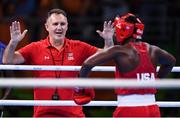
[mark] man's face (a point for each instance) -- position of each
(57, 26)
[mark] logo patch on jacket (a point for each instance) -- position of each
(46, 58)
(70, 56)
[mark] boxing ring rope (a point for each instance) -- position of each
(64, 68)
(70, 82)
(97, 83)
(85, 82)
(71, 103)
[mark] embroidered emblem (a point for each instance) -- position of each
(46, 57)
(70, 56)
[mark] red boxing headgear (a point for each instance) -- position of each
(126, 29)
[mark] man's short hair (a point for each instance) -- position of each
(56, 11)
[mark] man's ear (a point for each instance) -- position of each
(46, 26)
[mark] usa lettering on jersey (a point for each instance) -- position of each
(145, 76)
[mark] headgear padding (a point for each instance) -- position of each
(125, 29)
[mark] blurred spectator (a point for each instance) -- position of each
(2, 47)
(4, 92)
(1, 9)
(73, 7)
(90, 18)
(174, 8)
(8, 8)
(19, 7)
(135, 5)
(43, 7)
(174, 24)
(113, 8)
(85, 17)
(36, 26)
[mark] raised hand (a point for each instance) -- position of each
(108, 31)
(15, 32)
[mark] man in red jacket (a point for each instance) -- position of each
(133, 59)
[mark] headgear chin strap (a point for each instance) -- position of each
(126, 29)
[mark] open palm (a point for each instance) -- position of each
(15, 31)
(108, 30)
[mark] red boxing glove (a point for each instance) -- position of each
(83, 95)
